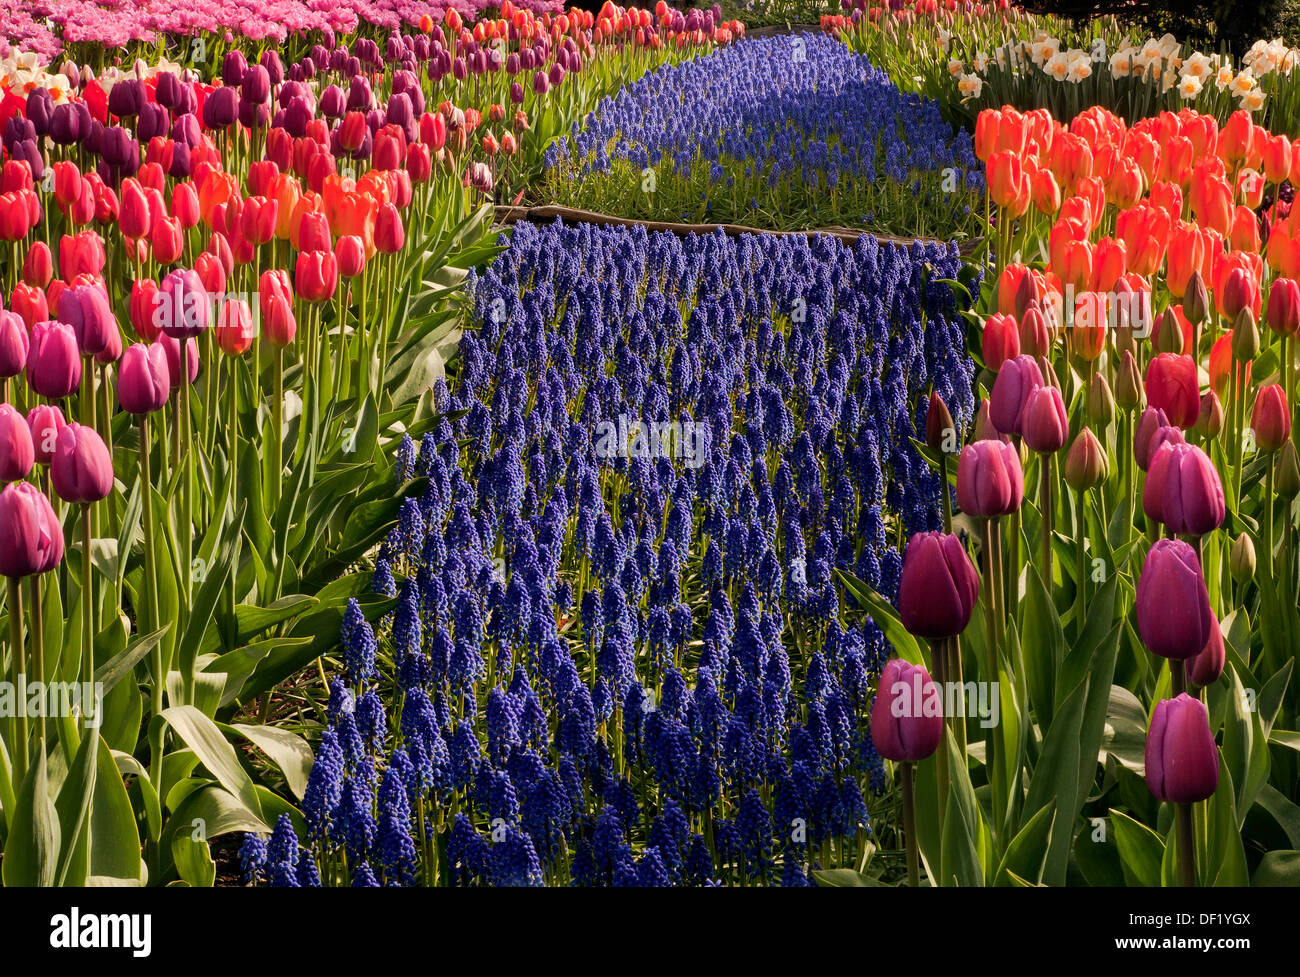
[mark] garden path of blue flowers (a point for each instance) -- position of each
(621, 659)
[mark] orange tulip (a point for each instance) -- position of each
(1007, 180)
(1212, 204)
(1176, 160)
(1186, 255)
(1046, 192)
(1236, 139)
(1125, 187)
(1244, 235)
(1169, 198)
(1276, 153)
(1109, 264)
(1250, 188)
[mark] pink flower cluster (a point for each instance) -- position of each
(44, 26)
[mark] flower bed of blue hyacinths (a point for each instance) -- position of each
(780, 132)
(627, 659)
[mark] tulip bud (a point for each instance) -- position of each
(940, 434)
(1086, 464)
(1129, 394)
(1245, 337)
(1271, 418)
(1288, 471)
(1284, 307)
(938, 586)
(1182, 760)
(81, 469)
(985, 430)
(1169, 336)
(1017, 379)
(1241, 560)
(1196, 300)
(907, 716)
(1035, 339)
(1205, 667)
(1101, 402)
(1183, 490)
(1210, 420)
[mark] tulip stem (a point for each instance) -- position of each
(150, 570)
(991, 629)
(277, 428)
(234, 475)
(1186, 845)
(944, 494)
(17, 664)
(1267, 548)
(909, 824)
(87, 597)
(1081, 564)
(1045, 504)
(939, 665)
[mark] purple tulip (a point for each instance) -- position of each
(31, 539)
(13, 344)
(143, 379)
(1205, 667)
(1182, 759)
(233, 67)
(1017, 379)
(907, 716)
(1173, 607)
(86, 309)
(1153, 429)
(256, 85)
(53, 360)
(126, 98)
(81, 469)
(1044, 424)
(17, 453)
(1183, 490)
(332, 102)
(182, 304)
(990, 481)
(939, 586)
(221, 108)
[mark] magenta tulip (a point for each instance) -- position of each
(53, 360)
(990, 481)
(143, 378)
(31, 540)
(1044, 424)
(17, 454)
(45, 421)
(1173, 607)
(172, 350)
(182, 305)
(1153, 429)
(87, 310)
(1182, 759)
(1017, 379)
(1205, 667)
(939, 586)
(907, 716)
(1183, 490)
(13, 344)
(82, 469)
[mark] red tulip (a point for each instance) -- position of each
(1271, 418)
(133, 213)
(275, 306)
(81, 254)
(351, 255)
(1284, 306)
(316, 275)
(38, 266)
(389, 233)
(234, 330)
(1000, 341)
(1171, 385)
